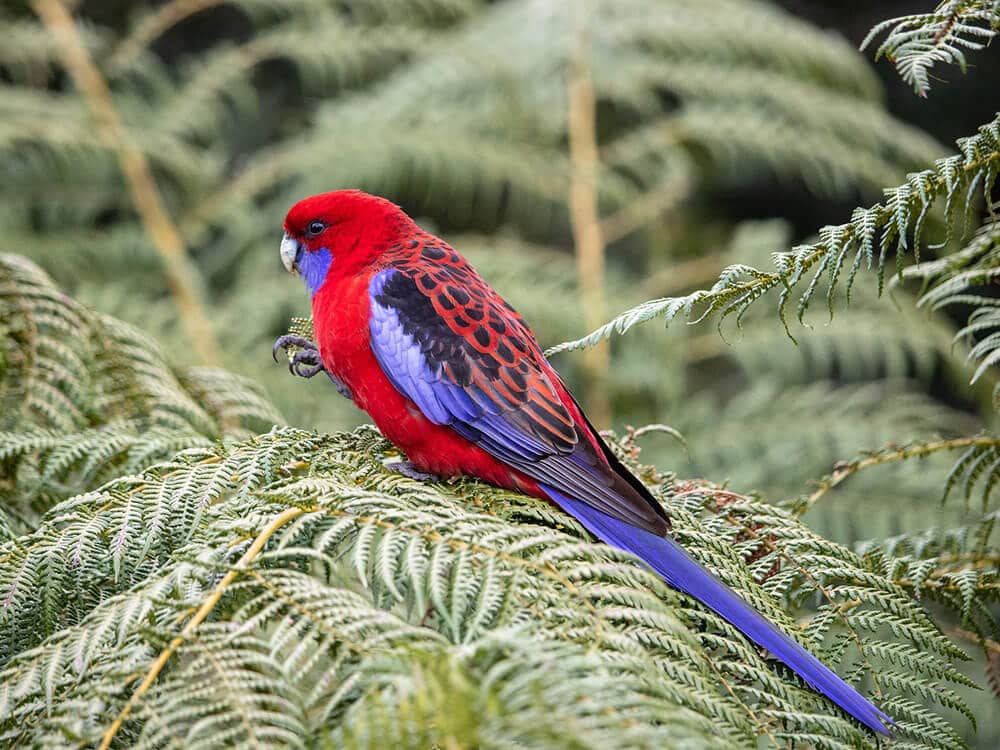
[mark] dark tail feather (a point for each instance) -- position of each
(683, 572)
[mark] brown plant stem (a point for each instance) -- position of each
(846, 470)
(588, 237)
(182, 279)
(988, 644)
(199, 617)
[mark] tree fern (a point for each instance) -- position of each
(694, 99)
(87, 398)
(956, 280)
(954, 568)
(455, 574)
(174, 571)
(288, 589)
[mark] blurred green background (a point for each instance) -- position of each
(727, 130)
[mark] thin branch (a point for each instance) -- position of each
(203, 612)
(848, 469)
(988, 644)
(181, 277)
(587, 232)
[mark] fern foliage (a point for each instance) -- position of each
(288, 589)
(947, 567)
(87, 398)
(457, 110)
(178, 568)
(376, 582)
(962, 279)
(916, 43)
(889, 231)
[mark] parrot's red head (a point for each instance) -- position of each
(346, 228)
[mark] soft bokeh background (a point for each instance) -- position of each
(727, 130)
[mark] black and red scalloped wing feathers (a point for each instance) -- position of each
(451, 344)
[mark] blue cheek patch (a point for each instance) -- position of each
(314, 266)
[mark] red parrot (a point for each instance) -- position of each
(453, 376)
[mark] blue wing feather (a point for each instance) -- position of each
(596, 492)
(443, 402)
(683, 572)
(454, 384)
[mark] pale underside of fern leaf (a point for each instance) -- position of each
(916, 43)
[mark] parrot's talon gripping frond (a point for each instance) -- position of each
(304, 368)
(410, 469)
(306, 362)
(290, 340)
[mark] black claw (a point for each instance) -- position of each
(306, 363)
(309, 356)
(304, 370)
(283, 342)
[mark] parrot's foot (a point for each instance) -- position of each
(409, 469)
(283, 342)
(306, 362)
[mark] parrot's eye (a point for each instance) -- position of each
(315, 228)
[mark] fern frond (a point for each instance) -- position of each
(736, 441)
(916, 43)
(502, 692)
(452, 575)
(962, 279)
(977, 467)
(151, 24)
(286, 586)
(30, 54)
(327, 56)
(952, 567)
(87, 398)
(891, 229)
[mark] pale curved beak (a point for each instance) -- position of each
(289, 251)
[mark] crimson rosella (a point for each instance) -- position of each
(453, 376)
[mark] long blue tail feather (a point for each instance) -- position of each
(683, 572)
